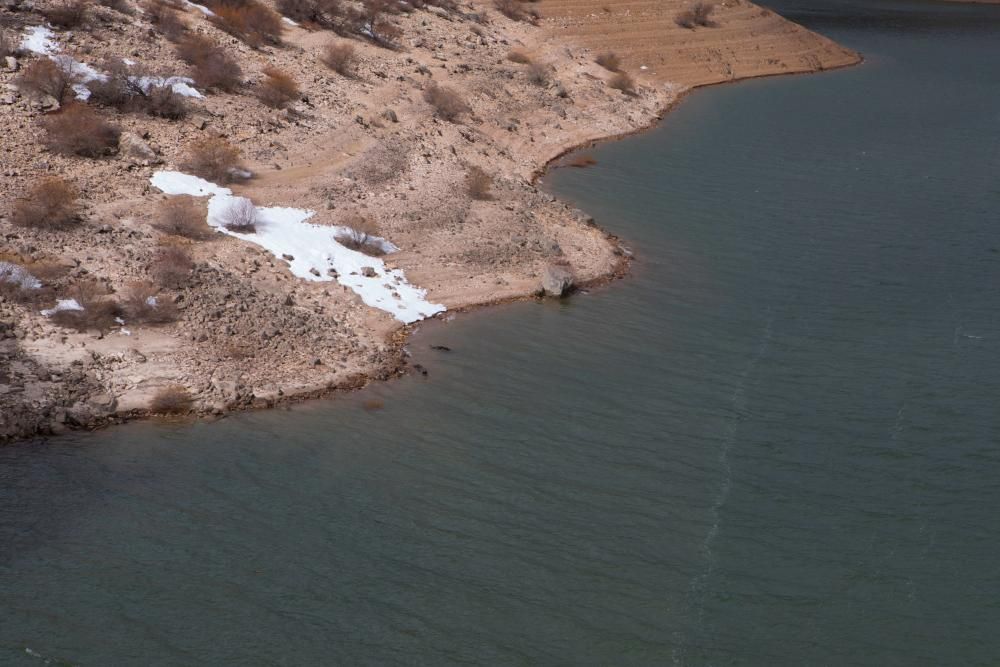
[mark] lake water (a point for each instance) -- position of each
(776, 443)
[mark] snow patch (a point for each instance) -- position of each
(201, 8)
(40, 40)
(289, 21)
(18, 275)
(179, 84)
(62, 304)
(314, 249)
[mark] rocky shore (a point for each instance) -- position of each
(248, 332)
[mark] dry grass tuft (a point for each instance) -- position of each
(447, 102)
(698, 14)
(213, 68)
(45, 77)
(339, 56)
(183, 215)
(68, 15)
(623, 82)
(249, 21)
(360, 234)
(518, 56)
(76, 129)
(143, 305)
(99, 310)
(277, 89)
(240, 216)
(171, 266)
(609, 61)
(49, 204)
(214, 160)
(478, 184)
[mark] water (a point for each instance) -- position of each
(776, 443)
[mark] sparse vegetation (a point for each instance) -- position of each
(609, 61)
(166, 18)
(699, 14)
(214, 160)
(539, 74)
(171, 266)
(518, 56)
(163, 102)
(119, 89)
(68, 14)
(240, 216)
(361, 234)
(277, 89)
(6, 44)
(249, 21)
(171, 400)
(120, 6)
(512, 9)
(76, 129)
(478, 184)
(45, 76)
(374, 22)
(623, 82)
(143, 305)
(324, 13)
(339, 56)
(98, 309)
(182, 215)
(447, 102)
(51, 203)
(213, 68)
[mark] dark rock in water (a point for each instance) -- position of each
(420, 369)
(441, 348)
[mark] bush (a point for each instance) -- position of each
(623, 82)
(447, 103)
(7, 46)
(277, 90)
(119, 89)
(120, 6)
(609, 61)
(240, 216)
(171, 266)
(163, 102)
(339, 56)
(249, 21)
(50, 203)
(67, 15)
(214, 69)
(512, 9)
(698, 15)
(172, 400)
(214, 160)
(517, 56)
(45, 77)
(182, 215)
(144, 306)
(77, 129)
(478, 184)
(360, 234)
(99, 311)
(539, 74)
(167, 20)
(320, 12)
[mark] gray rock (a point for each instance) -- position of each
(368, 272)
(557, 281)
(132, 148)
(10, 64)
(390, 115)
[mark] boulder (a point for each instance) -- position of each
(132, 148)
(557, 281)
(368, 272)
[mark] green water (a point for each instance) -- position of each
(776, 443)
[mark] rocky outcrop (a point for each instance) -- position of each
(557, 281)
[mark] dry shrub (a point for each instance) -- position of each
(512, 9)
(120, 6)
(623, 82)
(339, 56)
(360, 234)
(518, 56)
(45, 77)
(166, 19)
(163, 102)
(182, 215)
(171, 266)
(99, 311)
(478, 184)
(609, 61)
(23, 281)
(249, 21)
(143, 305)
(324, 13)
(50, 204)
(214, 69)
(171, 400)
(240, 216)
(77, 129)
(447, 103)
(67, 15)
(119, 89)
(7, 44)
(699, 14)
(278, 89)
(214, 160)
(539, 74)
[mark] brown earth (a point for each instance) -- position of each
(249, 333)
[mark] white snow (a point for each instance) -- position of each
(285, 231)
(179, 84)
(289, 21)
(201, 8)
(62, 304)
(40, 40)
(18, 275)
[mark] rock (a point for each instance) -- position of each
(314, 271)
(390, 115)
(368, 272)
(8, 98)
(10, 64)
(132, 148)
(287, 257)
(557, 281)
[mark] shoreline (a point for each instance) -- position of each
(389, 360)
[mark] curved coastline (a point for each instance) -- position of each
(393, 362)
